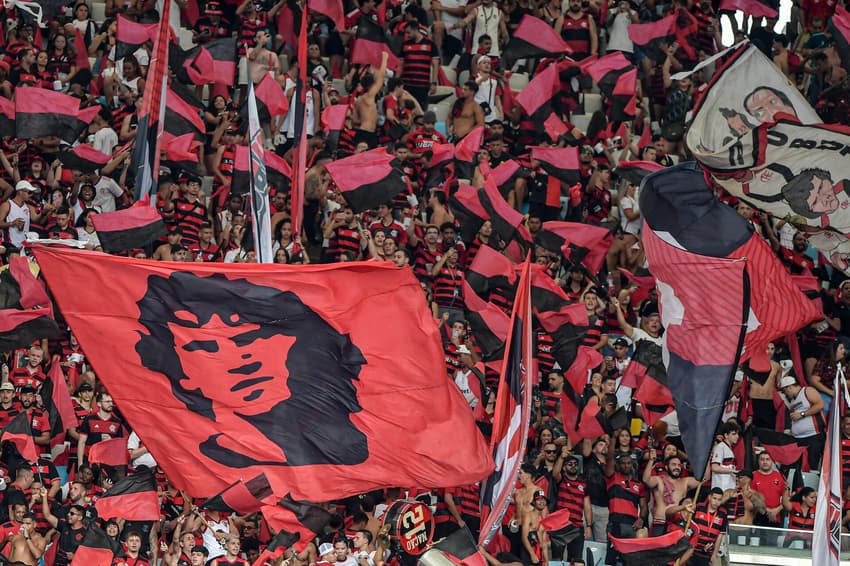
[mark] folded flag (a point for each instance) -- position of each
(560, 162)
(581, 244)
(299, 522)
(367, 179)
(783, 448)
(19, 433)
(128, 229)
(534, 38)
(369, 43)
(41, 112)
(26, 312)
(83, 158)
(96, 549)
(133, 498)
(130, 36)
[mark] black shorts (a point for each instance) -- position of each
(371, 138)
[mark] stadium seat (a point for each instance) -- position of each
(592, 102)
(441, 111)
(339, 85)
(98, 12)
(597, 550)
(185, 38)
(450, 73)
(811, 479)
(518, 81)
(580, 121)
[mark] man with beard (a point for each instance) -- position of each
(27, 544)
(103, 425)
(578, 30)
(38, 419)
(667, 489)
(796, 259)
(71, 529)
(572, 495)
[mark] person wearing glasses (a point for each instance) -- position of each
(71, 528)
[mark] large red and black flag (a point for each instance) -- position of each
(783, 448)
(299, 158)
(537, 98)
(652, 550)
(559, 162)
(96, 549)
(304, 398)
(278, 170)
(26, 311)
(490, 271)
(561, 527)
(129, 228)
(241, 497)
(132, 498)
(460, 547)
(754, 8)
(512, 412)
(635, 171)
(57, 403)
(647, 376)
(704, 335)
(505, 175)
(468, 210)
(581, 244)
(130, 36)
(42, 112)
(370, 42)
(7, 117)
(489, 287)
(367, 179)
(153, 114)
(296, 522)
(508, 223)
(112, 452)
(534, 38)
(83, 158)
(567, 327)
(19, 433)
(442, 157)
(839, 28)
(223, 54)
(466, 153)
(677, 26)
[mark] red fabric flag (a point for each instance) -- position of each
(81, 55)
(367, 179)
(19, 433)
(332, 9)
(534, 38)
(299, 521)
(293, 354)
(110, 452)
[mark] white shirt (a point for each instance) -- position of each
(145, 459)
(462, 382)
(638, 335)
(722, 452)
(487, 92)
(214, 547)
(487, 20)
(104, 140)
(618, 34)
(105, 191)
(630, 226)
(16, 236)
(450, 20)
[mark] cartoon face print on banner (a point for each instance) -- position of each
(281, 345)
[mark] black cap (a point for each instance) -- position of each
(650, 308)
(27, 389)
(85, 387)
(620, 342)
(201, 548)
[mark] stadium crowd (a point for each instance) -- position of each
(452, 79)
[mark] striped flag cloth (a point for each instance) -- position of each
(258, 194)
(826, 542)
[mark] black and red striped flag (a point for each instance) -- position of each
(223, 53)
(537, 97)
(581, 244)
(467, 208)
(190, 66)
(181, 117)
(677, 26)
(57, 403)
(617, 80)
(153, 114)
(129, 228)
(26, 311)
(367, 179)
(561, 528)
(466, 153)
(508, 223)
(241, 497)
(489, 271)
(635, 171)
(298, 521)
(19, 433)
(640, 277)
(181, 152)
(43, 112)
(839, 28)
(705, 335)
(132, 498)
(112, 452)
(783, 448)
(560, 162)
(271, 100)
(333, 123)
(130, 36)
(488, 322)
(96, 549)
(278, 171)
(647, 376)
(534, 38)
(512, 412)
(7, 117)
(567, 325)
(652, 550)
(83, 158)
(505, 175)
(370, 43)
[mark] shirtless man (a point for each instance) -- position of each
(27, 544)
(262, 60)
(524, 495)
(666, 490)
(743, 502)
(470, 115)
(365, 114)
(762, 389)
(535, 543)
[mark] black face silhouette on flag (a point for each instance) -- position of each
(266, 340)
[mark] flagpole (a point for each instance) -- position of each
(691, 516)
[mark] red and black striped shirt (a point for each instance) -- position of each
(624, 495)
(417, 57)
(448, 288)
(707, 527)
(571, 494)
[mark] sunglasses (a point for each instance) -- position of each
(550, 451)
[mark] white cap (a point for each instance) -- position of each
(25, 186)
(787, 381)
(325, 548)
(462, 349)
